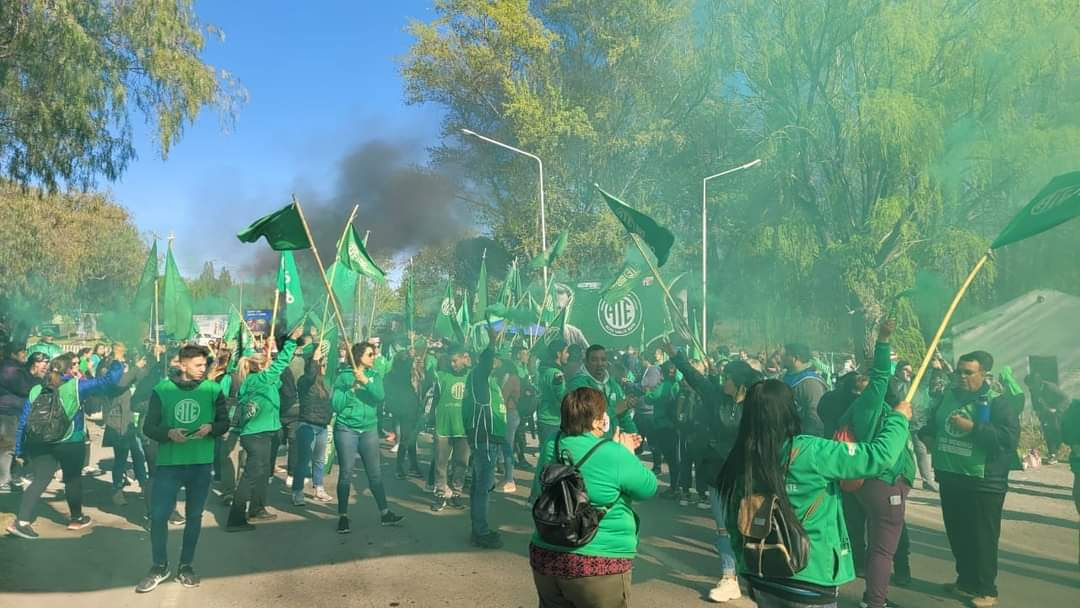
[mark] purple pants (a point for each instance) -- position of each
(884, 505)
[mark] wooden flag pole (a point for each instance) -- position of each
(941, 328)
(272, 337)
(667, 292)
(326, 308)
(322, 273)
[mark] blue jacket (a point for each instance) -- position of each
(87, 387)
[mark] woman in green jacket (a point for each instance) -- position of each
(260, 405)
(597, 573)
(803, 470)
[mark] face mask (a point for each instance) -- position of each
(607, 423)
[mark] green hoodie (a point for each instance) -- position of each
(261, 390)
(552, 390)
(613, 474)
(816, 466)
(870, 408)
(357, 406)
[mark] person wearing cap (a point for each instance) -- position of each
(46, 345)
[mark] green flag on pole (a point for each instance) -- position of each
(633, 270)
(506, 292)
(343, 281)
(1055, 204)
(548, 258)
(353, 254)
(143, 302)
(464, 320)
(658, 238)
(445, 318)
(283, 229)
(288, 283)
(176, 306)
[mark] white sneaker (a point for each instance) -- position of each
(288, 482)
(684, 499)
(508, 488)
(725, 591)
(321, 495)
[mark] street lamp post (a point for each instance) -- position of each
(540, 163)
(705, 250)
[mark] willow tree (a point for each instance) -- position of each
(897, 135)
(73, 73)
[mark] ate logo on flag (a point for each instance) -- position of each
(447, 307)
(355, 256)
(1054, 200)
(621, 318)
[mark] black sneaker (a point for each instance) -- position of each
(457, 502)
(80, 522)
(156, 576)
(22, 530)
(262, 515)
(438, 504)
(176, 519)
(491, 540)
(343, 525)
(240, 526)
(186, 575)
(391, 519)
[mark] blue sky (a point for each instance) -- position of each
(322, 79)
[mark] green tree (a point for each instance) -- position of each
(72, 74)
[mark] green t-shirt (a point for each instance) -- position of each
(552, 391)
(187, 410)
(449, 418)
(955, 450)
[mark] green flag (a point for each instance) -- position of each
(1057, 203)
(547, 258)
(353, 254)
(283, 229)
(445, 318)
(464, 319)
(143, 302)
(410, 306)
(288, 284)
(176, 306)
(481, 288)
(506, 292)
(235, 325)
(658, 238)
(631, 274)
(343, 282)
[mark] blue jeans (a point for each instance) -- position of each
(484, 457)
(168, 479)
(310, 455)
(349, 443)
(512, 422)
(723, 540)
(128, 444)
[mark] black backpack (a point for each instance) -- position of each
(563, 515)
(48, 421)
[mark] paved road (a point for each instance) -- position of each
(299, 560)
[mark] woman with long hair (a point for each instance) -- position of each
(311, 433)
(803, 471)
(403, 384)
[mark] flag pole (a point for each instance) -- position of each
(156, 319)
(941, 328)
(667, 292)
(273, 322)
(374, 288)
(333, 272)
(322, 273)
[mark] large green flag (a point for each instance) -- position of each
(547, 258)
(288, 284)
(1056, 203)
(410, 306)
(143, 302)
(464, 319)
(176, 306)
(507, 295)
(446, 317)
(658, 238)
(632, 271)
(343, 281)
(481, 289)
(637, 319)
(353, 254)
(283, 229)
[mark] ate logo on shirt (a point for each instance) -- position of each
(953, 430)
(186, 411)
(457, 391)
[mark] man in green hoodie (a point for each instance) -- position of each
(184, 416)
(595, 374)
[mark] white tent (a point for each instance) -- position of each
(1040, 322)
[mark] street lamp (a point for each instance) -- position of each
(543, 217)
(705, 250)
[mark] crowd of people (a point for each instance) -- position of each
(726, 434)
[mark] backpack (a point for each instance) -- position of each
(775, 544)
(563, 515)
(50, 420)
